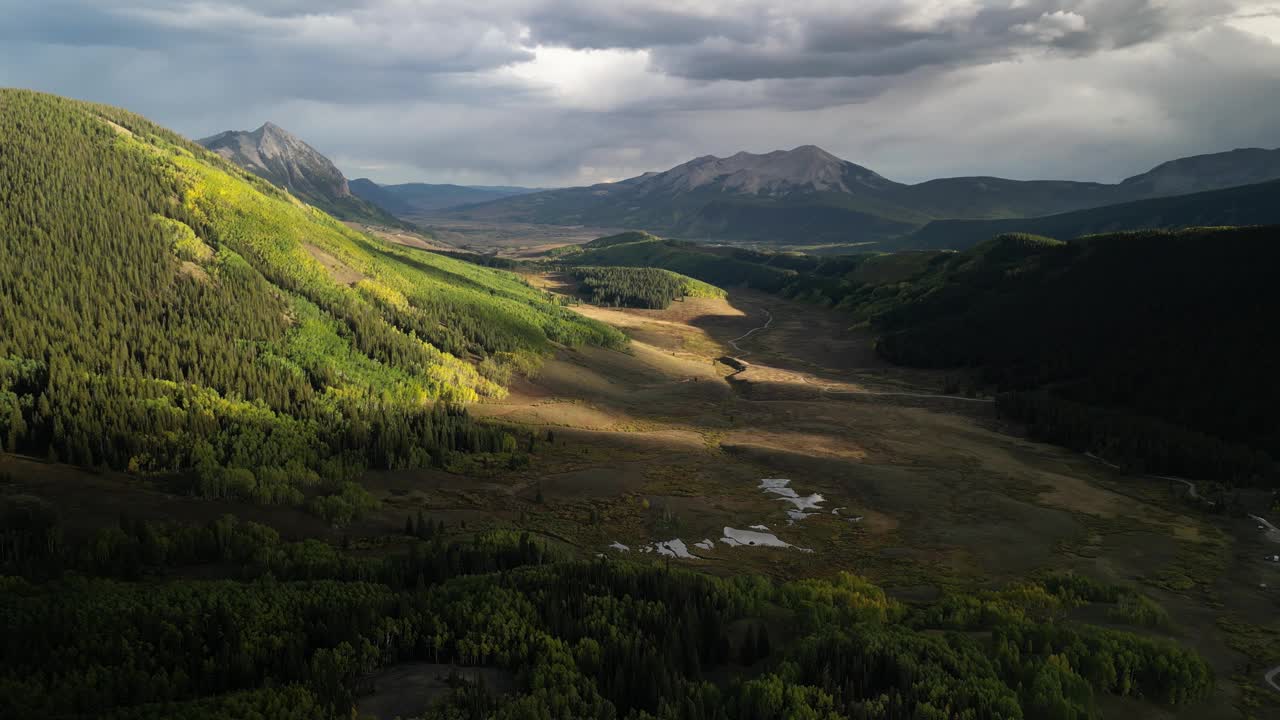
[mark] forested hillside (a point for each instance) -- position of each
(827, 279)
(108, 627)
(651, 288)
(166, 311)
(1150, 349)
(718, 266)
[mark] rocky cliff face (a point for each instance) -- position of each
(284, 159)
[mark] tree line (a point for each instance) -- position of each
(111, 625)
(639, 287)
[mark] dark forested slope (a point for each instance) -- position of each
(164, 311)
(1151, 348)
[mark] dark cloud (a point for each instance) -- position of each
(628, 24)
(892, 39)
(443, 89)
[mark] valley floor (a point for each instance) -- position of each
(921, 491)
(918, 490)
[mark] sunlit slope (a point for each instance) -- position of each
(163, 309)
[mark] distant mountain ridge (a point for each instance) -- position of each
(809, 196)
(805, 169)
(282, 158)
(409, 200)
(1257, 204)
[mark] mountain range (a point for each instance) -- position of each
(1257, 204)
(800, 197)
(413, 200)
(277, 155)
(808, 196)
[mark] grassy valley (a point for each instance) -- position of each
(260, 464)
(1024, 314)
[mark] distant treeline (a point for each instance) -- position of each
(652, 288)
(111, 625)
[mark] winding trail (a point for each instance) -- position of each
(1271, 677)
(749, 333)
(1191, 487)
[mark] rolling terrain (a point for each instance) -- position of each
(1257, 204)
(260, 464)
(809, 197)
(416, 200)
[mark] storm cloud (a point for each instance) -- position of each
(555, 92)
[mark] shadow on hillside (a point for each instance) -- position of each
(805, 339)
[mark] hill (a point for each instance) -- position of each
(167, 312)
(808, 196)
(1199, 173)
(1161, 369)
(720, 266)
(1247, 205)
(285, 160)
(411, 200)
(1146, 348)
(640, 287)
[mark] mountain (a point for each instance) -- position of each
(167, 313)
(282, 158)
(808, 196)
(1246, 205)
(807, 169)
(1205, 172)
(411, 200)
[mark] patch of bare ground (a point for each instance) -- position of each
(402, 237)
(118, 128)
(338, 270)
(190, 269)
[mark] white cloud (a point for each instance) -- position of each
(1054, 26)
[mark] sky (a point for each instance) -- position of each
(547, 93)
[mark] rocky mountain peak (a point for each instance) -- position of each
(284, 159)
(807, 168)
